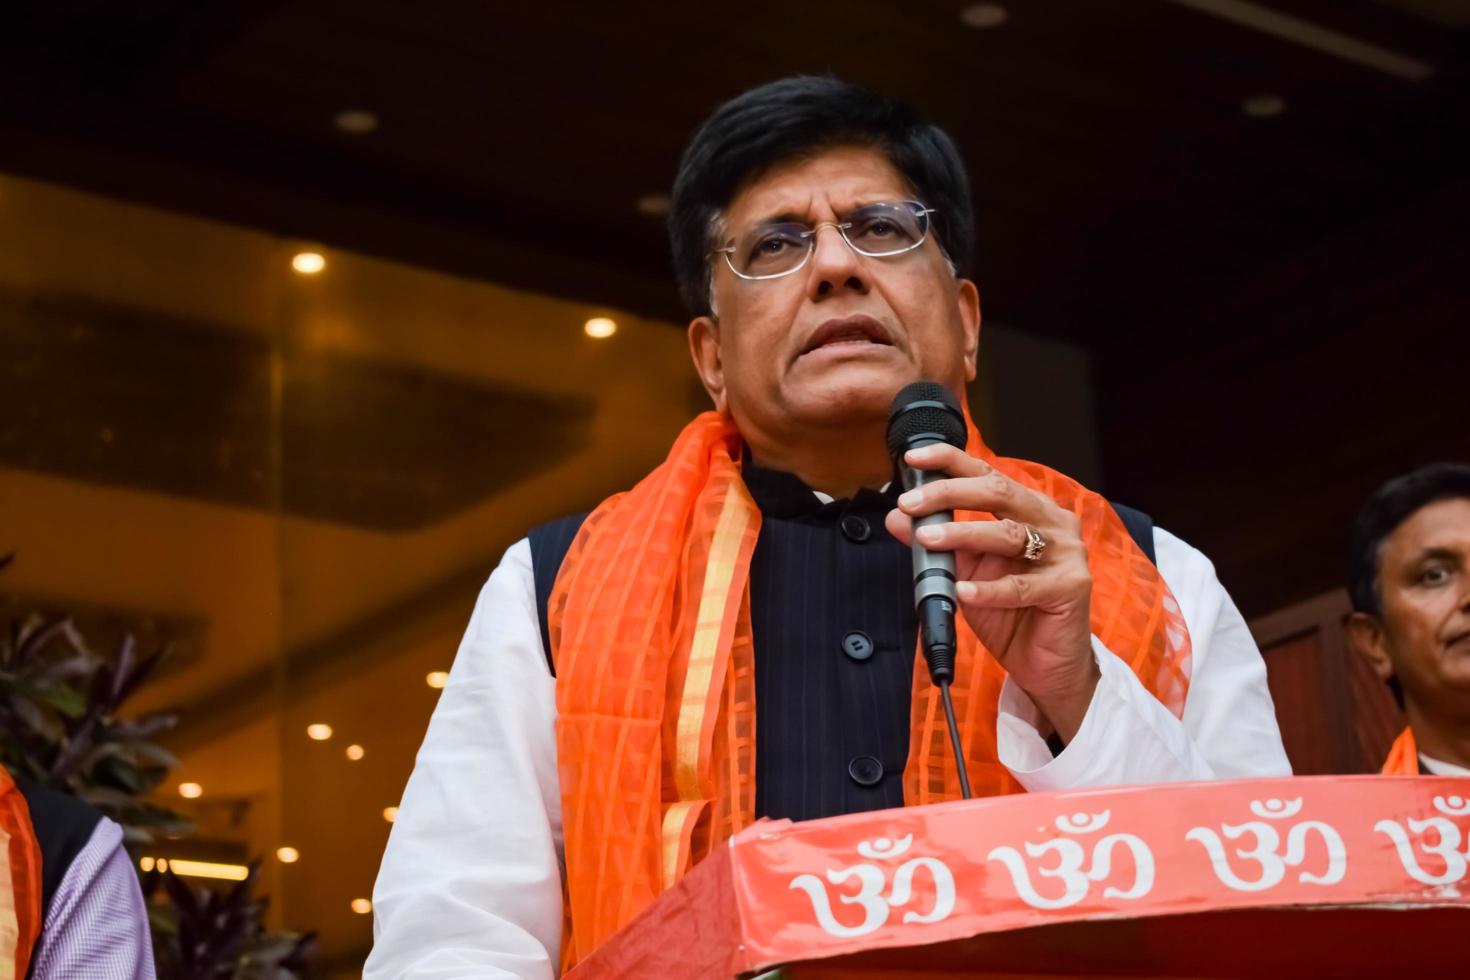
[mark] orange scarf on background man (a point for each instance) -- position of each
(1403, 756)
(20, 882)
(650, 633)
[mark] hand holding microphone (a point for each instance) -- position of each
(1021, 581)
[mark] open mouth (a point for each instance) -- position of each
(852, 330)
(1459, 642)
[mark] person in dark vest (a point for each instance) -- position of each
(72, 890)
(1410, 590)
(735, 636)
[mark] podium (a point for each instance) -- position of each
(1319, 876)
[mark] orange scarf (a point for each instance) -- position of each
(650, 632)
(20, 882)
(1403, 756)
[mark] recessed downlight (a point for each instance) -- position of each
(983, 15)
(1263, 105)
(356, 122)
(308, 263)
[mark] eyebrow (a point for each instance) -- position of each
(795, 217)
(782, 218)
(1437, 553)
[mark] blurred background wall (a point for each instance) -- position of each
(1222, 260)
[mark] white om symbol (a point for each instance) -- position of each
(871, 880)
(1268, 843)
(1070, 858)
(1446, 848)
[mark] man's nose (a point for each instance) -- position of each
(835, 266)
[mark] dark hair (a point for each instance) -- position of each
(799, 117)
(1389, 506)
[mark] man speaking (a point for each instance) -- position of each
(735, 637)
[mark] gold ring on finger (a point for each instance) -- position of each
(1035, 544)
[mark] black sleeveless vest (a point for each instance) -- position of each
(831, 609)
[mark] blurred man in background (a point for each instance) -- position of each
(1411, 599)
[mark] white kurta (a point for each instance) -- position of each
(470, 885)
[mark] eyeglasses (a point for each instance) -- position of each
(779, 248)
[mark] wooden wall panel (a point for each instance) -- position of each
(1294, 670)
(1336, 716)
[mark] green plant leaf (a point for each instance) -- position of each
(43, 723)
(64, 698)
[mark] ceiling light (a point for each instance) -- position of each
(982, 15)
(356, 122)
(653, 205)
(191, 791)
(361, 906)
(390, 813)
(162, 865)
(437, 678)
(355, 752)
(145, 863)
(1263, 105)
(208, 869)
(287, 855)
(600, 327)
(319, 732)
(308, 263)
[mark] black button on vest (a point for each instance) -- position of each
(865, 770)
(817, 593)
(857, 645)
(812, 585)
(856, 528)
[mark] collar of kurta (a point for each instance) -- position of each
(784, 496)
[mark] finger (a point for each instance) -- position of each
(943, 456)
(992, 492)
(1002, 537)
(900, 526)
(1019, 591)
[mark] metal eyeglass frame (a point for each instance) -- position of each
(810, 235)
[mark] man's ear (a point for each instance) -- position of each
(1366, 637)
(967, 300)
(704, 348)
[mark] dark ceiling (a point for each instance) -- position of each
(1214, 263)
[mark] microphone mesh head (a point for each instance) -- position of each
(915, 413)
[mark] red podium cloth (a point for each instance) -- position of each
(1283, 877)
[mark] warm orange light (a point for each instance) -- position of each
(319, 732)
(288, 855)
(162, 864)
(390, 813)
(308, 263)
(209, 869)
(191, 791)
(600, 327)
(146, 863)
(361, 906)
(437, 679)
(355, 752)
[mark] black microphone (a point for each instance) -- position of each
(925, 413)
